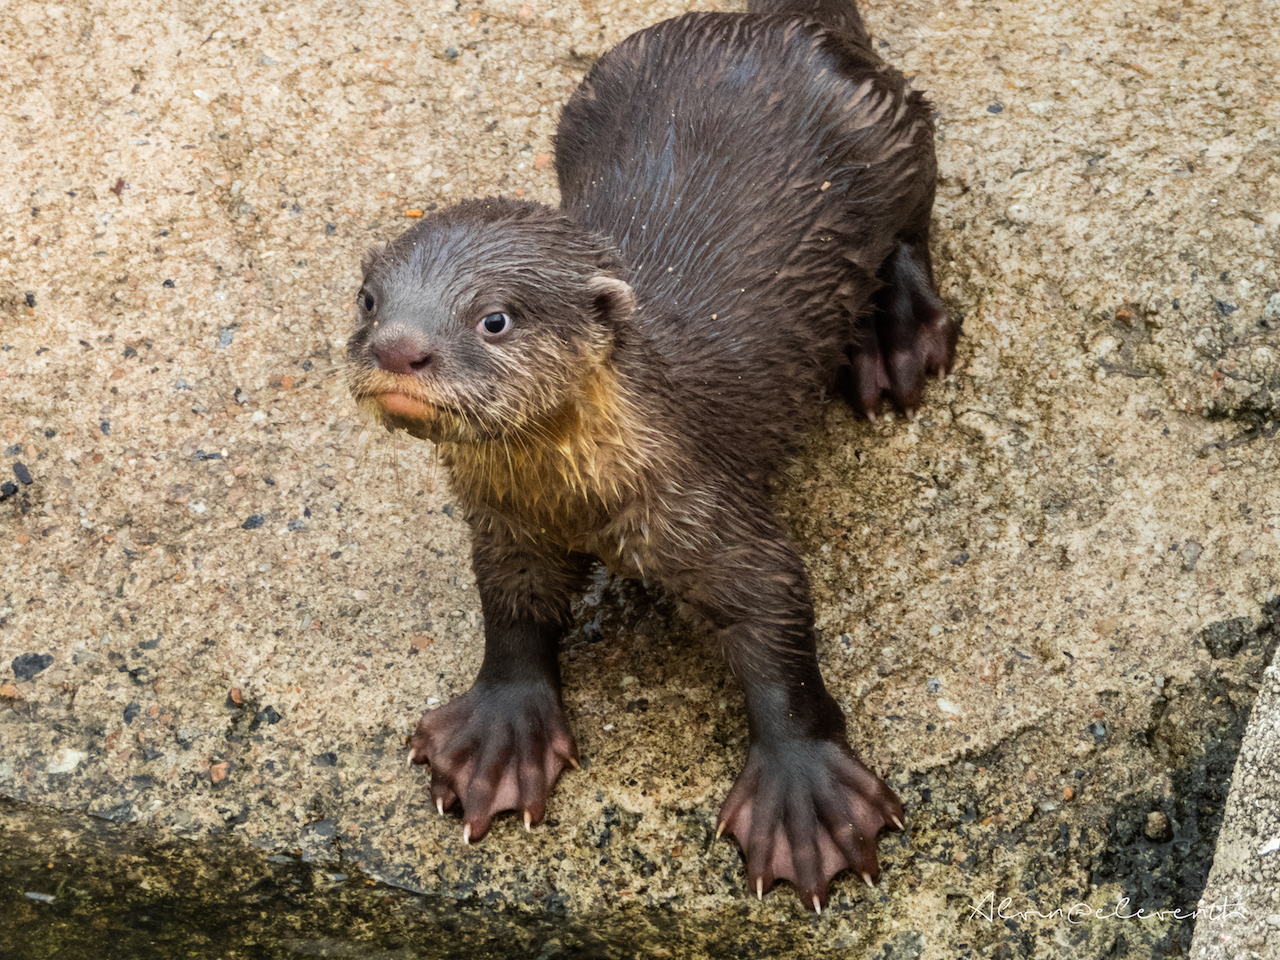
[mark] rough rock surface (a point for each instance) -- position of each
(1045, 604)
(1244, 884)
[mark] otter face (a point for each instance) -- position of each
(484, 320)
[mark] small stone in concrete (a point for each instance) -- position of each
(254, 522)
(267, 715)
(27, 665)
(21, 472)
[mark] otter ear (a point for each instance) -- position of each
(371, 257)
(612, 299)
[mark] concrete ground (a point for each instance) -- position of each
(1045, 604)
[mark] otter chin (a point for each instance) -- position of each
(743, 231)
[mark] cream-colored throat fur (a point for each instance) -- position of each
(580, 463)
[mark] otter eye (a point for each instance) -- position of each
(367, 301)
(494, 325)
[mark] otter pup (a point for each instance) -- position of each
(743, 228)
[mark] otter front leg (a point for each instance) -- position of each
(503, 743)
(805, 807)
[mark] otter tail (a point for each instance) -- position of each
(837, 15)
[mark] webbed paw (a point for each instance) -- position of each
(497, 747)
(803, 811)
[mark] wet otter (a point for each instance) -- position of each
(744, 222)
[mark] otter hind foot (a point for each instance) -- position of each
(804, 811)
(499, 746)
(908, 337)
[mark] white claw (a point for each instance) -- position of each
(719, 831)
(897, 823)
(466, 834)
(817, 905)
(759, 888)
(440, 805)
(528, 822)
(867, 877)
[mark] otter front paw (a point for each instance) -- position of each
(803, 810)
(497, 747)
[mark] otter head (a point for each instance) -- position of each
(485, 319)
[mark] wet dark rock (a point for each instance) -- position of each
(1227, 638)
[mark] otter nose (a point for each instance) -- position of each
(402, 355)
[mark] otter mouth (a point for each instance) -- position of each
(386, 394)
(406, 406)
(398, 403)
(401, 403)
(400, 410)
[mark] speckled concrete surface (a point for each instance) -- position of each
(226, 600)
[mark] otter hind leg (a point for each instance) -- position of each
(907, 336)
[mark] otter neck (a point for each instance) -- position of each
(567, 471)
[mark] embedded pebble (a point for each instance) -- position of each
(27, 665)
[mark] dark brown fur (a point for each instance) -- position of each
(743, 228)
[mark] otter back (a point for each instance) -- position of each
(755, 173)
